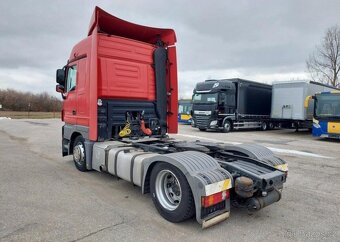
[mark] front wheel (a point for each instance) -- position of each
(79, 155)
(227, 126)
(264, 126)
(171, 193)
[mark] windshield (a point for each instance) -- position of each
(327, 105)
(184, 108)
(205, 98)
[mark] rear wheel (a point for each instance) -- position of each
(171, 193)
(79, 154)
(264, 126)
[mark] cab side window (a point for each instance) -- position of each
(222, 99)
(71, 78)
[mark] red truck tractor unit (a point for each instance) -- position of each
(120, 103)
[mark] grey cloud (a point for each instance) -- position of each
(40, 33)
(236, 34)
(275, 36)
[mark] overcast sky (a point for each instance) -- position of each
(263, 41)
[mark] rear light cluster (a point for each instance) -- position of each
(215, 198)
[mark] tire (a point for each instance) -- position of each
(271, 125)
(202, 129)
(227, 126)
(264, 126)
(79, 154)
(171, 193)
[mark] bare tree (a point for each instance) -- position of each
(324, 63)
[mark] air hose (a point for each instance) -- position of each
(125, 131)
(144, 129)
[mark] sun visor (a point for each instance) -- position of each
(114, 26)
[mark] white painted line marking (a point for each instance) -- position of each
(208, 139)
(277, 150)
(296, 152)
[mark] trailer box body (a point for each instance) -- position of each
(288, 99)
(253, 98)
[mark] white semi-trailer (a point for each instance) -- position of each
(288, 102)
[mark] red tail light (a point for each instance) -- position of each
(215, 198)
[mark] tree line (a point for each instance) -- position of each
(13, 100)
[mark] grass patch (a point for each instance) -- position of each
(29, 115)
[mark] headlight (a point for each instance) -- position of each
(213, 123)
(316, 125)
(192, 123)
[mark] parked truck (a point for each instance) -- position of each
(229, 104)
(288, 103)
(120, 103)
(326, 118)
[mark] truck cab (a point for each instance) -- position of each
(117, 74)
(184, 111)
(326, 118)
(210, 99)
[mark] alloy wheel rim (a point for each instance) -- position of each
(168, 190)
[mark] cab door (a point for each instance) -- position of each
(83, 87)
(70, 102)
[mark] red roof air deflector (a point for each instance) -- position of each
(114, 26)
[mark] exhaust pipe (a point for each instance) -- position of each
(257, 203)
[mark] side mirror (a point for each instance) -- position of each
(60, 76)
(59, 88)
(308, 98)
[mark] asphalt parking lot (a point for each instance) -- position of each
(44, 198)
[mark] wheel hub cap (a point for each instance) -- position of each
(78, 153)
(168, 190)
